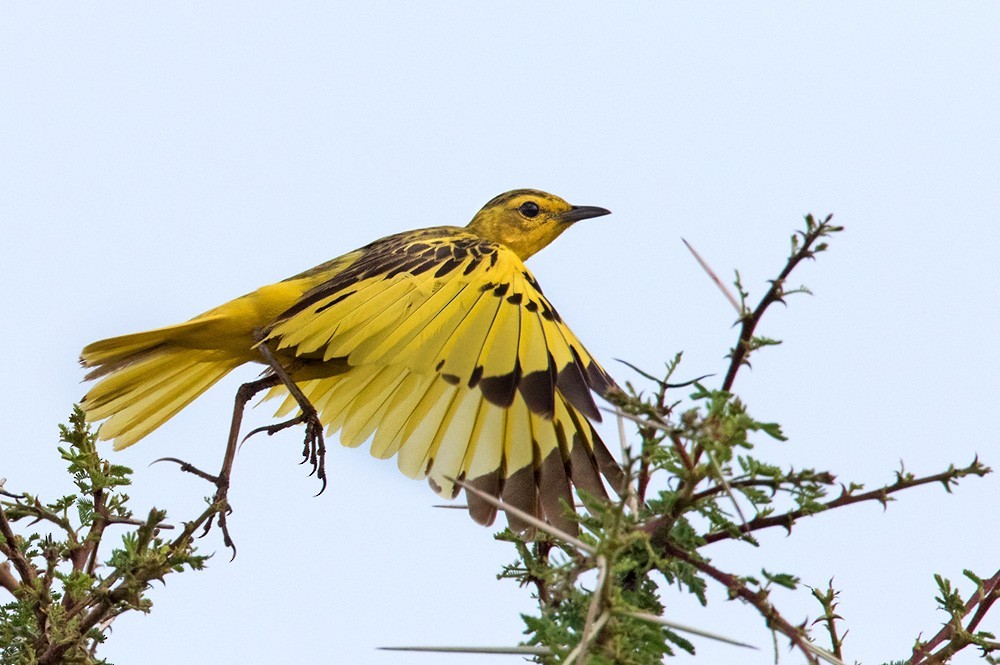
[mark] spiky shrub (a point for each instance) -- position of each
(696, 480)
(67, 578)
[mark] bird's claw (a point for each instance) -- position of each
(313, 447)
(189, 468)
(220, 501)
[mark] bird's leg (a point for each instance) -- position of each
(314, 447)
(245, 393)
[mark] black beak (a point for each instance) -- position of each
(576, 213)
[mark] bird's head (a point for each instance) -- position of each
(526, 220)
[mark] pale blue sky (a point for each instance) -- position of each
(158, 159)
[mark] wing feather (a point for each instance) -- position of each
(320, 324)
(455, 441)
(326, 392)
(369, 406)
(457, 364)
(484, 468)
(389, 435)
(342, 400)
(538, 383)
(371, 319)
(555, 494)
(422, 351)
(421, 427)
(571, 377)
(520, 487)
(501, 369)
(459, 355)
(472, 313)
(422, 321)
(532, 349)
(580, 448)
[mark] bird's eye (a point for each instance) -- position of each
(529, 209)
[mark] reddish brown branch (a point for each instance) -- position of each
(7, 580)
(758, 599)
(659, 526)
(775, 294)
(10, 549)
(982, 600)
(847, 498)
(990, 594)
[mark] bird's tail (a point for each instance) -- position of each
(146, 378)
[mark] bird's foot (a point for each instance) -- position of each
(313, 447)
(220, 501)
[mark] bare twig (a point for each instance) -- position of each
(681, 628)
(512, 651)
(529, 519)
(590, 631)
(7, 579)
(715, 278)
(774, 484)
(596, 615)
(662, 523)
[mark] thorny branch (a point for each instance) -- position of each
(739, 589)
(955, 636)
(689, 477)
(848, 497)
(749, 320)
(828, 600)
(694, 485)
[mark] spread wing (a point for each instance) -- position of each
(457, 363)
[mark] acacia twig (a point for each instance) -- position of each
(953, 636)
(846, 498)
(828, 600)
(758, 599)
(777, 292)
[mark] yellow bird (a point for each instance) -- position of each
(436, 344)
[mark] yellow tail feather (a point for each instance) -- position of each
(146, 386)
(108, 355)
